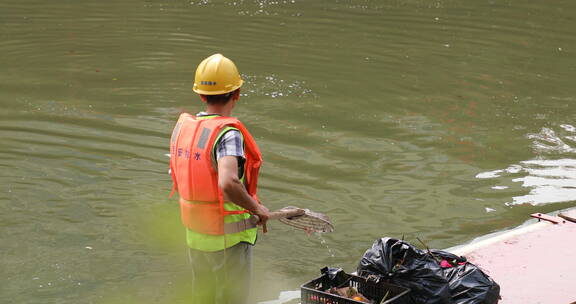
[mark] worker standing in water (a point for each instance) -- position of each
(214, 164)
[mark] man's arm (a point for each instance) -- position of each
(235, 191)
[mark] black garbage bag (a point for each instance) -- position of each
(336, 276)
(405, 265)
(434, 276)
(468, 283)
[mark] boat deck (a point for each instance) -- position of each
(534, 263)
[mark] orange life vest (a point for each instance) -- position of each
(195, 176)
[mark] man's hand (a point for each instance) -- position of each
(263, 214)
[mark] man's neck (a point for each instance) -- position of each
(222, 111)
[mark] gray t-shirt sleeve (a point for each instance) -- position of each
(230, 144)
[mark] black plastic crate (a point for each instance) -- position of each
(316, 291)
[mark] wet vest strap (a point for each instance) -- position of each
(196, 179)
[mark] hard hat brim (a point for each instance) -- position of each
(219, 92)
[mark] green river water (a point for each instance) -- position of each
(443, 120)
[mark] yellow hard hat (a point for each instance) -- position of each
(216, 75)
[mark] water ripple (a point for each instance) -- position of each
(549, 180)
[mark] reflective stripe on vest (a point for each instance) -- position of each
(192, 164)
